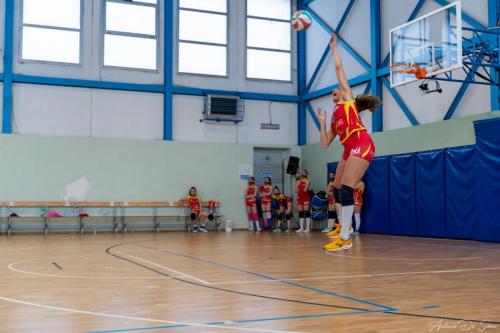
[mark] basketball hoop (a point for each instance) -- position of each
(419, 72)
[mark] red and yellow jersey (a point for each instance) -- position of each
(266, 191)
(302, 187)
(279, 198)
(346, 120)
(358, 196)
(251, 191)
(194, 202)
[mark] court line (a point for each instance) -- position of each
(391, 311)
(109, 315)
(403, 259)
(243, 321)
(12, 267)
(460, 270)
(108, 251)
(353, 299)
(165, 268)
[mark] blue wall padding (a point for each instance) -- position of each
(375, 214)
(488, 179)
(460, 192)
(430, 194)
(402, 195)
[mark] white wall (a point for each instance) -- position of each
(187, 126)
(64, 111)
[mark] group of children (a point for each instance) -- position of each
(275, 204)
(271, 199)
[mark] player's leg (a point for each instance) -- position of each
(307, 215)
(357, 217)
(250, 216)
(300, 208)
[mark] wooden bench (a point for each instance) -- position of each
(118, 209)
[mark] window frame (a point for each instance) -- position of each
(49, 62)
(105, 32)
(177, 33)
(292, 45)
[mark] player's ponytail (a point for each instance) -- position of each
(367, 102)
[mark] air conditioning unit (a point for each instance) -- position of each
(223, 108)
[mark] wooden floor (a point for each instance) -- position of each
(241, 281)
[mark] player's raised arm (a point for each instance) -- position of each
(339, 70)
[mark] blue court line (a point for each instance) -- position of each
(430, 307)
(219, 323)
(386, 308)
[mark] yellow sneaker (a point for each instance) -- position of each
(338, 244)
(334, 233)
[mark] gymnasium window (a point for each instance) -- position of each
(269, 40)
(51, 31)
(202, 32)
(131, 34)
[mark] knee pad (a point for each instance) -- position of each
(193, 216)
(336, 194)
(210, 217)
(346, 196)
(288, 216)
(281, 216)
(301, 214)
(332, 214)
(307, 214)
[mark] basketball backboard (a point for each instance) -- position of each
(432, 42)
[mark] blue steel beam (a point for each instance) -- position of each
(341, 41)
(310, 109)
(326, 52)
(7, 76)
(168, 73)
(301, 83)
(493, 17)
(376, 45)
(463, 88)
(245, 95)
(400, 102)
(327, 49)
(56, 81)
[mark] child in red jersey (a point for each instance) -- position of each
(251, 204)
(332, 213)
(194, 203)
(266, 192)
(279, 207)
(358, 147)
(303, 200)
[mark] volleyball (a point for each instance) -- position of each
(301, 20)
